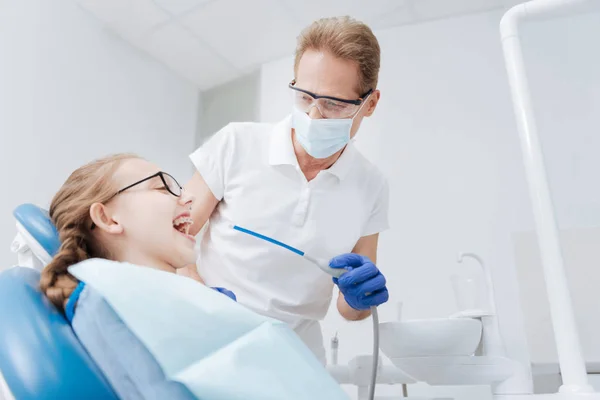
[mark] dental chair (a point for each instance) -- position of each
(40, 356)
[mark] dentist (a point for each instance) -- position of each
(302, 182)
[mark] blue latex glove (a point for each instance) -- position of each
(363, 285)
(226, 292)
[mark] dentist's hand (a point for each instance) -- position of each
(226, 292)
(363, 285)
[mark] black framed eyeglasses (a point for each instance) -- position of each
(170, 184)
(328, 106)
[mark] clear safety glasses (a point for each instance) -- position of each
(329, 107)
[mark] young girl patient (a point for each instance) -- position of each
(120, 208)
(124, 209)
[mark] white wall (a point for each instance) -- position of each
(235, 101)
(445, 135)
(70, 92)
(563, 60)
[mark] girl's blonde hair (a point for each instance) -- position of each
(70, 213)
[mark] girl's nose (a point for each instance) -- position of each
(186, 198)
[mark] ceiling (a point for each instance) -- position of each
(210, 42)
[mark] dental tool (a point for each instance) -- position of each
(321, 263)
(335, 272)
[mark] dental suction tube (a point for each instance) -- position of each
(335, 272)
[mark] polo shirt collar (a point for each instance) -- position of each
(281, 151)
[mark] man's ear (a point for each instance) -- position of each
(101, 217)
(372, 102)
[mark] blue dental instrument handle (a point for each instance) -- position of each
(321, 263)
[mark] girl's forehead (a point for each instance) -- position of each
(133, 170)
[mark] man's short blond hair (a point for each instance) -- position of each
(345, 38)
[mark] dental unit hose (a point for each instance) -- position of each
(335, 272)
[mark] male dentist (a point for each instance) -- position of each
(302, 182)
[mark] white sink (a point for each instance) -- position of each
(430, 337)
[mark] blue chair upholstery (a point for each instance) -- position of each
(40, 356)
(37, 222)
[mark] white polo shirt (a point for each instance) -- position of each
(252, 169)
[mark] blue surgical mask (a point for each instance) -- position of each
(321, 137)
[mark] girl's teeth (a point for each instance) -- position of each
(184, 220)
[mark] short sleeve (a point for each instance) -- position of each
(378, 219)
(213, 158)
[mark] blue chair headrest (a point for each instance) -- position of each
(37, 222)
(40, 356)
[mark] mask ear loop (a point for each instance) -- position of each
(353, 138)
(362, 104)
